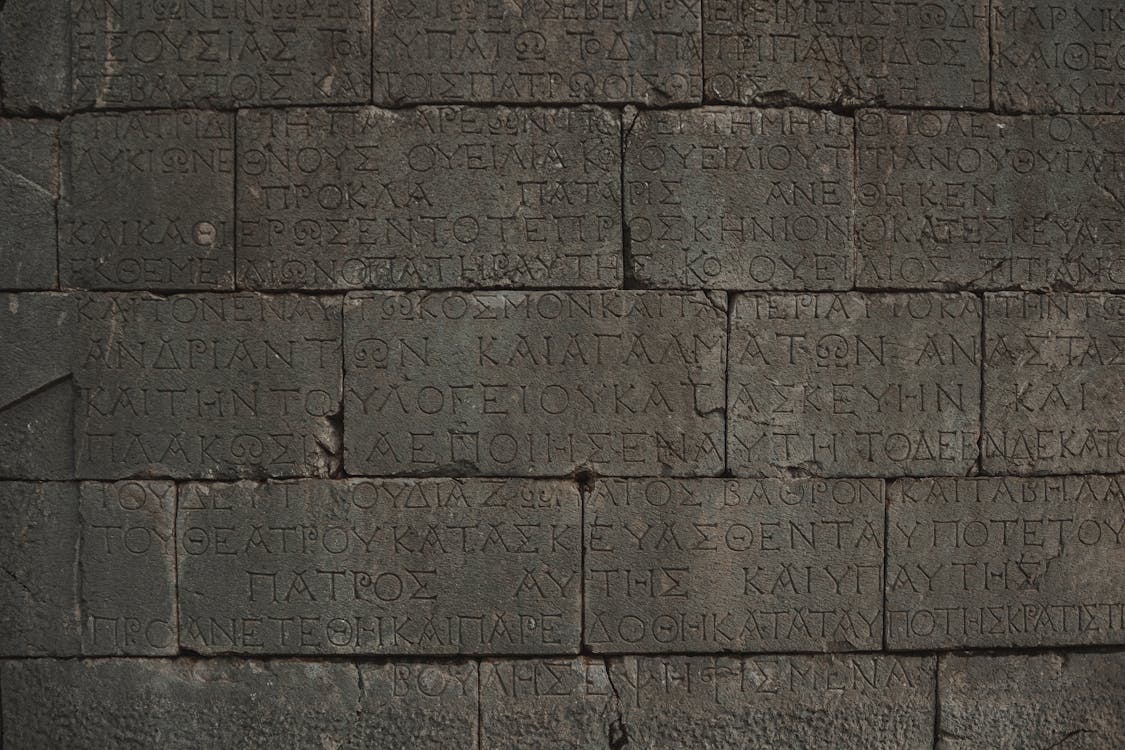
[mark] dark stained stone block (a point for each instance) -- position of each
(1001, 562)
(534, 383)
(845, 53)
(854, 384)
(433, 566)
(34, 70)
(208, 386)
(29, 188)
(973, 200)
(1050, 56)
(128, 568)
(537, 52)
(147, 201)
(1054, 700)
(429, 198)
(1053, 383)
(734, 565)
(151, 53)
(190, 703)
(720, 197)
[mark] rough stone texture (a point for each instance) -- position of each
(39, 531)
(838, 701)
(208, 386)
(429, 198)
(846, 53)
(534, 383)
(727, 198)
(1053, 700)
(973, 200)
(854, 384)
(1050, 56)
(192, 703)
(1008, 561)
(218, 54)
(29, 188)
(37, 396)
(433, 566)
(1053, 385)
(34, 38)
(128, 568)
(734, 565)
(147, 201)
(537, 52)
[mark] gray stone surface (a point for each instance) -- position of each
(39, 534)
(1053, 385)
(433, 566)
(34, 70)
(1050, 56)
(845, 53)
(128, 568)
(534, 383)
(995, 562)
(147, 201)
(734, 565)
(542, 52)
(974, 200)
(37, 396)
(29, 189)
(429, 198)
(1074, 701)
(190, 703)
(854, 384)
(220, 54)
(728, 198)
(207, 386)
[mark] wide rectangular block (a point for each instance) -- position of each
(734, 565)
(147, 201)
(534, 383)
(216, 54)
(720, 197)
(1053, 383)
(192, 703)
(537, 53)
(977, 200)
(1050, 56)
(1060, 700)
(208, 386)
(1005, 562)
(433, 566)
(29, 190)
(844, 53)
(429, 198)
(854, 384)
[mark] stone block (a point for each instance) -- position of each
(34, 69)
(29, 189)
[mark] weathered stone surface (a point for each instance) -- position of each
(976, 200)
(1053, 385)
(898, 52)
(208, 386)
(433, 566)
(541, 53)
(147, 201)
(838, 701)
(1050, 56)
(34, 70)
(719, 197)
(990, 562)
(1054, 700)
(39, 531)
(854, 384)
(128, 568)
(29, 188)
(37, 397)
(216, 54)
(429, 198)
(191, 703)
(534, 383)
(734, 565)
